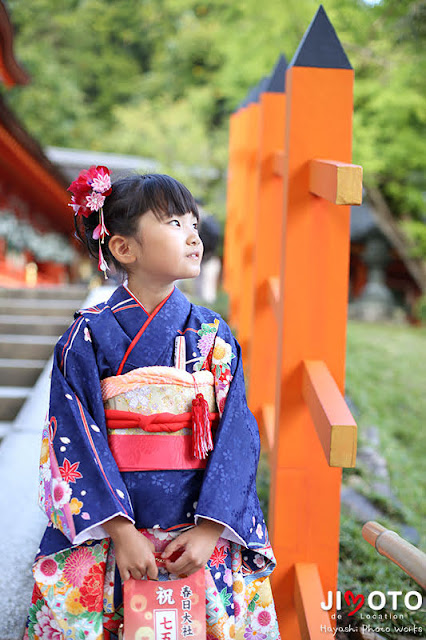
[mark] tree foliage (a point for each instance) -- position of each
(159, 78)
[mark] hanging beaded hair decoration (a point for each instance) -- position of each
(89, 191)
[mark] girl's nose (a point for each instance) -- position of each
(193, 238)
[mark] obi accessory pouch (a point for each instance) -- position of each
(165, 610)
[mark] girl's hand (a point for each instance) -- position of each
(194, 546)
(133, 552)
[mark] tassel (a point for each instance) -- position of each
(202, 441)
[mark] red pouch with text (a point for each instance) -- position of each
(165, 610)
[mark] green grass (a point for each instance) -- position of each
(386, 379)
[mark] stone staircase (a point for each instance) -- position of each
(30, 324)
(31, 320)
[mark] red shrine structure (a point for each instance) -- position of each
(35, 221)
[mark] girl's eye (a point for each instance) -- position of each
(175, 222)
(195, 225)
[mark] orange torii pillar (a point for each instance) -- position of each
(230, 247)
(312, 314)
(248, 234)
(241, 214)
(268, 231)
(237, 179)
(231, 203)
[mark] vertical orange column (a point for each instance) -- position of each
(231, 198)
(304, 505)
(235, 250)
(267, 251)
(248, 226)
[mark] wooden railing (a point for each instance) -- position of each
(287, 244)
(389, 544)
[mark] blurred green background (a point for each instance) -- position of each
(159, 78)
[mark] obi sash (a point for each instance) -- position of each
(148, 415)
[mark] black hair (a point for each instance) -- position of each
(130, 198)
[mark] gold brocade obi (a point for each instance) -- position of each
(149, 417)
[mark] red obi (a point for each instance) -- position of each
(157, 447)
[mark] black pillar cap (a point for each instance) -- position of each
(276, 83)
(320, 46)
(261, 88)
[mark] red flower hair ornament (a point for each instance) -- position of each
(89, 191)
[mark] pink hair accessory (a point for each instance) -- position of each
(89, 191)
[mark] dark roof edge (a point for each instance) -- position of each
(16, 74)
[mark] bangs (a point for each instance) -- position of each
(167, 197)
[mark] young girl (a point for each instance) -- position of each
(149, 445)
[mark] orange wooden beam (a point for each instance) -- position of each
(279, 163)
(334, 424)
(337, 182)
(314, 623)
(273, 284)
(267, 427)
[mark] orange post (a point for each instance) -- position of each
(231, 202)
(305, 503)
(263, 353)
(235, 252)
(248, 226)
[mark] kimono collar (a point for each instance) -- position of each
(148, 335)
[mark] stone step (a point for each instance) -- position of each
(26, 346)
(65, 292)
(5, 428)
(34, 307)
(11, 400)
(20, 372)
(34, 325)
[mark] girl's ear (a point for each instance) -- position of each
(122, 248)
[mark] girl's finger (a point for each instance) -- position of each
(173, 546)
(152, 569)
(124, 575)
(188, 569)
(137, 574)
(179, 566)
(150, 543)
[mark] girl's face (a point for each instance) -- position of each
(166, 250)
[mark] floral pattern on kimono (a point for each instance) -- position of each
(81, 486)
(73, 597)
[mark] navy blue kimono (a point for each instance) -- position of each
(81, 486)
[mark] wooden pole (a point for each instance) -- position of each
(263, 352)
(389, 544)
(233, 200)
(234, 254)
(305, 503)
(249, 222)
(231, 204)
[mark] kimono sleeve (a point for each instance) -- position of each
(228, 493)
(80, 484)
